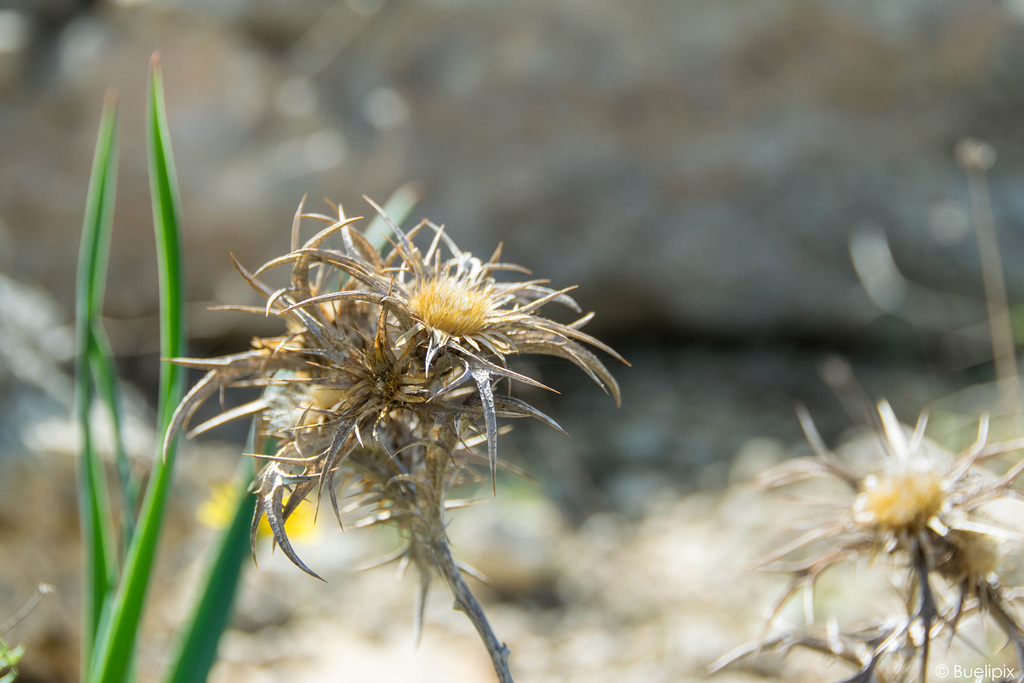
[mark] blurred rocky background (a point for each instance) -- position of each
(705, 171)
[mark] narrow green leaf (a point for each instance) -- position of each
(163, 183)
(100, 564)
(101, 360)
(114, 653)
(197, 650)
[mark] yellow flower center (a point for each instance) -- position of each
(904, 500)
(452, 307)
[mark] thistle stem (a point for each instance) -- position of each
(465, 602)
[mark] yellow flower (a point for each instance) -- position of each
(215, 513)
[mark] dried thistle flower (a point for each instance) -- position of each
(929, 515)
(467, 321)
(386, 379)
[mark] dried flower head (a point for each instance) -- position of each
(462, 321)
(929, 515)
(388, 376)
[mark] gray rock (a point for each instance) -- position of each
(697, 167)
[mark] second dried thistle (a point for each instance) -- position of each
(929, 516)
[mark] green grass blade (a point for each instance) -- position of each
(197, 651)
(100, 564)
(114, 654)
(163, 184)
(109, 388)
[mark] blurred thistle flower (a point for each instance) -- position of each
(929, 514)
(388, 376)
